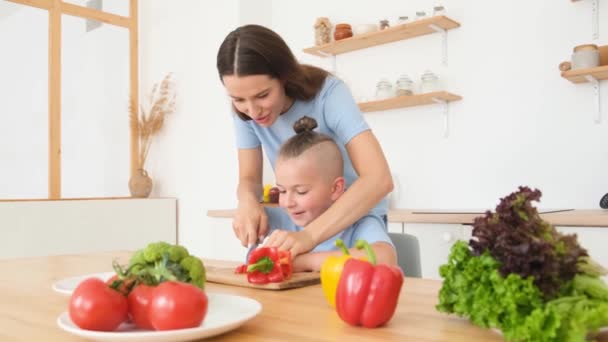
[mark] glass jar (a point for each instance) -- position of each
(404, 86)
(429, 82)
(403, 20)
(420, 15)
(384, 24)
(343, 31)
(384, 90)
(438, 10)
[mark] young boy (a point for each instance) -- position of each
(309, 173)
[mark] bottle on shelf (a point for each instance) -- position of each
(384, 90)
(429, 82)
(404, 19)
(420, 15)
(404, 86)
(438, 10)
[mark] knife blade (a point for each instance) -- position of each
(259, 242)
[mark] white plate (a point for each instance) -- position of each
(68, 285)
(225, 313)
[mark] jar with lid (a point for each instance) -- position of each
(384, 24)
(429, 82)
(404, 86)
(585, 56)
(438, 10)
(404, 19)
(384, 90)
(420, 15)
(343, 31)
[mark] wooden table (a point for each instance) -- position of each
(29, 308)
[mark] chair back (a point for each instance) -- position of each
(408, 254)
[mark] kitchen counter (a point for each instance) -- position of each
(567, 217)
(30, 308)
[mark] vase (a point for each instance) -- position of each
(140, 184)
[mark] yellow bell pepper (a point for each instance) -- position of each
(331, 270)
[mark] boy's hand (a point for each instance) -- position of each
(295, 242)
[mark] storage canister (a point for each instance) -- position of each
(429, 82)
(585, 56)
(384, 90)
(343, 31)
(404, 86)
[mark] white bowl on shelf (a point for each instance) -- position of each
(364, 28)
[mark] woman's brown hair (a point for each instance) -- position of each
(257, 50)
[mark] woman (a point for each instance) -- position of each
(270, 90)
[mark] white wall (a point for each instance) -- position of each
(23, 94)
(95, 97)
(195, 159)
(519, 122)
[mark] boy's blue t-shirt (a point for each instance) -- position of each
(337, 116)
(370, 228)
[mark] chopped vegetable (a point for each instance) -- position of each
(267, 265)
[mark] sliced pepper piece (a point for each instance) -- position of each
(286, 264)
(240, 269)
(367, 294)
(331, 271)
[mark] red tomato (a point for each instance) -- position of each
(139, 300)
(96, 306)
(176, 305)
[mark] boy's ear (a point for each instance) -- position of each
(338, 188)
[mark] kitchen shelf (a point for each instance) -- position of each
(582, 75)
(439, 97)
(409, 101)
(392, 34)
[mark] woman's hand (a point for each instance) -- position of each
(295, 242)
(250, 223)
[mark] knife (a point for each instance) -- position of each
(254, 246)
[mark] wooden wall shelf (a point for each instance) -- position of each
(579, 75)
(409, 101)
(388, 35)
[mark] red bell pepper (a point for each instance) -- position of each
(268, 265)
(367, 294)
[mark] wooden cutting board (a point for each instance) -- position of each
(226, 275)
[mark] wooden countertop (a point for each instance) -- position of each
(566, 217)
(30, 308)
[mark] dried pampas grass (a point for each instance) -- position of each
(152, 115)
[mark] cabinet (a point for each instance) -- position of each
(593, 239)
(435, 241)
(437, 24)
(39, 227)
